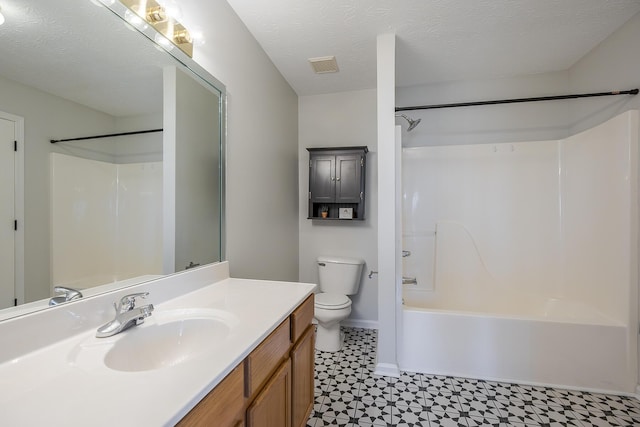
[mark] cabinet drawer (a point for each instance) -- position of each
(301, 318)
(223, 406)
(266, 358)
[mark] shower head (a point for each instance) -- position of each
(412, 123)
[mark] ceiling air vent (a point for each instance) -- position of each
(324, 64)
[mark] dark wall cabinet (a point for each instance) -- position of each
(336, 182)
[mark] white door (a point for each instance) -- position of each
(7, 213)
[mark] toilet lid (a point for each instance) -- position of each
(330, 301)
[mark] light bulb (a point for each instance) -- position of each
(135, 20)
(1, 18)
(163, 42)
(198, 38)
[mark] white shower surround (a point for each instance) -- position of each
(106, 221)
(526, 259)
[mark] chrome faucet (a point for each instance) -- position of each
(68, 294)
(127, 315)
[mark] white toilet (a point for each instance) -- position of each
(338, 277)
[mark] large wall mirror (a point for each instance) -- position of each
(96, 212)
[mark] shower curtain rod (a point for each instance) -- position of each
(517, 100)
(53, 141)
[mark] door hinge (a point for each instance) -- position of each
(310, 163)
(15, 225)
(361, 162)
(361, 195)
(309, 195)
(15, 145)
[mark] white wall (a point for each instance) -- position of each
(389, 210)
(262, 148)
(335, 120)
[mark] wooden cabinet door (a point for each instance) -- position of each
(322, 178)
(348, 177)
(272, 406)
(302, 367)
(223, 406)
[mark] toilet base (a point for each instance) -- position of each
(329, 339)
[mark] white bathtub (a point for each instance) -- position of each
(569, 345)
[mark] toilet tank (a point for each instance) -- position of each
(339, 275)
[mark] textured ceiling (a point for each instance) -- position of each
(81, 52)
(437, 40)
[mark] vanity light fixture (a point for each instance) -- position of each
(161, 15)
(156, 15)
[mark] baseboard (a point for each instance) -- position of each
(358, 323)
(387, 370)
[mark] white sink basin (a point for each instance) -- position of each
(166, 339)
(161, 346)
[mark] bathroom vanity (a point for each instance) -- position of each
(272, 386)
(216, 351)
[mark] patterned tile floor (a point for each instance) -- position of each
(348, 394)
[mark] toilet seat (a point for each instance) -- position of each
(329, 301)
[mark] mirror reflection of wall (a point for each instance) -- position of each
(77, 70)
(192, 190)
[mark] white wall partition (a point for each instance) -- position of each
(599, 195)
(96, 212)
(546, 219)
(495, 207)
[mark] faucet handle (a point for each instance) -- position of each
(128, 302)
(68, 293)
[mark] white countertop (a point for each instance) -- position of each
(54, 386)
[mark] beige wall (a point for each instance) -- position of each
(262, 149)
(334, 120)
